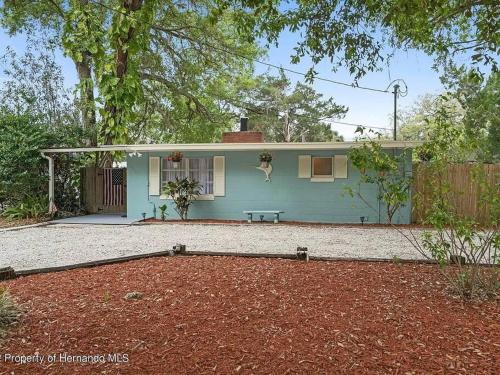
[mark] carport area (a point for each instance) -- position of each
(96, 219)
(68, 244)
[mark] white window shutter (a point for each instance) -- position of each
(154, 175)
(219, 176)
(304, 166)
(340, 166)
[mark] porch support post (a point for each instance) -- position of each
(52, 206)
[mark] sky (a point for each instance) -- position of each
(365, 107)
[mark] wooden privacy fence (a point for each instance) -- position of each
(465, 191)
(104, 190)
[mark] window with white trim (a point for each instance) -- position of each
(322, 167)
(199, 169)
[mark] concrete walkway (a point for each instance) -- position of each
(98, 219)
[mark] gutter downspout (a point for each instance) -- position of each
(52, 206)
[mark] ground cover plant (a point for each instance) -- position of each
(9, 311)
(229, 315)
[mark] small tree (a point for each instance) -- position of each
(383, 170)
(183, 192)
(466, 250)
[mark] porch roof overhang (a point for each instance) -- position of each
(306, 146)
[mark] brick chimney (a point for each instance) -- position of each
(243, 136)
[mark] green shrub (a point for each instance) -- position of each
(467, 251)
(183, 192)
(9, 312)
(29, 208)
(163, 211)
(23, 171)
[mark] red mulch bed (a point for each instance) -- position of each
(224, 315)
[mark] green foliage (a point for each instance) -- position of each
(37, 112)
(29, 208)
(153, 69)
(455, 237)
(468, 114)
(33, 83)
(466, 251)
(286, 115)
(418, 122)
(183, 192)
(445, 140)
(384, 170)
(9, 311)
(479, 98)
(163, 212)
(23, 171)
(358, 35)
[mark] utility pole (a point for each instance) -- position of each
(395, 92)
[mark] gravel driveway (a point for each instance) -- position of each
(63, 244)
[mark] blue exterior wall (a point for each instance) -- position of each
(301, 199)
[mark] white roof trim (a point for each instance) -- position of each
(232, 147)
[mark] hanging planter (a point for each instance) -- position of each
(175, 158)
(265, 164)
(265, 158)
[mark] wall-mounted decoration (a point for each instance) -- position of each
(265, 159)
(267, 170)
(135, 153)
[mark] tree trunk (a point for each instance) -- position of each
(121, 63)
(87, 100)
(286, 128)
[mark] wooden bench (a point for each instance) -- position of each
(276, 214)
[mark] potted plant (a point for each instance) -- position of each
(265, 158)
(176, 158)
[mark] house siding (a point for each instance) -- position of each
(301, 199)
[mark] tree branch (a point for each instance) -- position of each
(175, 89)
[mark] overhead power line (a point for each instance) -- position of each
(351, 85)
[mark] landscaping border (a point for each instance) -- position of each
(165, 253)
(14, 228)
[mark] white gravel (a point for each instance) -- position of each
(63, 244)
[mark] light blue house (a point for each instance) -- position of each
(307, 181)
